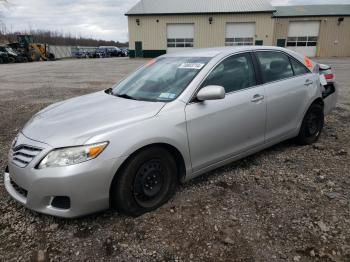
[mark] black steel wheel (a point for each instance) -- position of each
(312, 125)
(149, 182)
(146, 181)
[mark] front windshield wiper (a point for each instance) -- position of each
(109, 91)
(126, 96)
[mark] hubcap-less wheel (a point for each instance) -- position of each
(148, 182)
(313, 125)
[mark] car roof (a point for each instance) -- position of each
(225, 51)
(215, 51)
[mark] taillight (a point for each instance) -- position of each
(329, 77)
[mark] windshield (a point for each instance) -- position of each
(161, 79)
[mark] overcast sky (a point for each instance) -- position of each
(100, 19)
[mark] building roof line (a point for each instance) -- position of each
(202, 13)
(312, 10)
(149, 7)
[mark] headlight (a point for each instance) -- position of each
(72, 155)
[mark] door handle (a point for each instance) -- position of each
(257, 98)
(308, 82)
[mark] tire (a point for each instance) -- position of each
(34, 56)
(312, 125)
(51, 57)
(145, 182)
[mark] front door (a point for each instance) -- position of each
(220, 129)
(138, 49)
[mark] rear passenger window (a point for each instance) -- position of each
(299, 68)
(234, 73)
(274, 66)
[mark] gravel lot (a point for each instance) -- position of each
(287, 203)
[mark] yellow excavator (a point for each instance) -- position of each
(26, 47)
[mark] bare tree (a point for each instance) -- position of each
(52, 37)
(2, 25)
(56, 37)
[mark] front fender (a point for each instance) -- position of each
(167, 127)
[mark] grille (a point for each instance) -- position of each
(23, 154)
(19, 189)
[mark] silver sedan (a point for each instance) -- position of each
(177, 117)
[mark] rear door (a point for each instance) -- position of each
(287, 83)
(220, 129)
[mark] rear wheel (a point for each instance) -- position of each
(11, 60)
(147, 181)
(312, 125)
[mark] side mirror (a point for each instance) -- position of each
(211, 93)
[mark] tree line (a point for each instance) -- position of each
(57, 38)
(52, 37)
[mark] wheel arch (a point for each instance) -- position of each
(319, 101)
(180, 161)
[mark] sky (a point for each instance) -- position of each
(99, 19)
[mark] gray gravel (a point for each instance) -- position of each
(287, 203)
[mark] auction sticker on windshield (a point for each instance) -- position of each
(196, 66)
(167, 95)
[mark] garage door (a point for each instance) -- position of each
(303, 36)
(240, 34)
(179, 37)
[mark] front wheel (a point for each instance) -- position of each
(312, 125)
(146, 182)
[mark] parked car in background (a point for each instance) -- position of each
(110, 51)
(11, 56)
(125, 51)
(80, 54)
(179, 116)
(4, 58)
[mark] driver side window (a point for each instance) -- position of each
(234, 73)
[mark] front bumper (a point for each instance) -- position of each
(86, 185)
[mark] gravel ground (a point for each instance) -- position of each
(287, 203)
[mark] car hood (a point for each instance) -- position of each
(74, 121)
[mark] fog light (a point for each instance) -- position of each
(61, 202)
